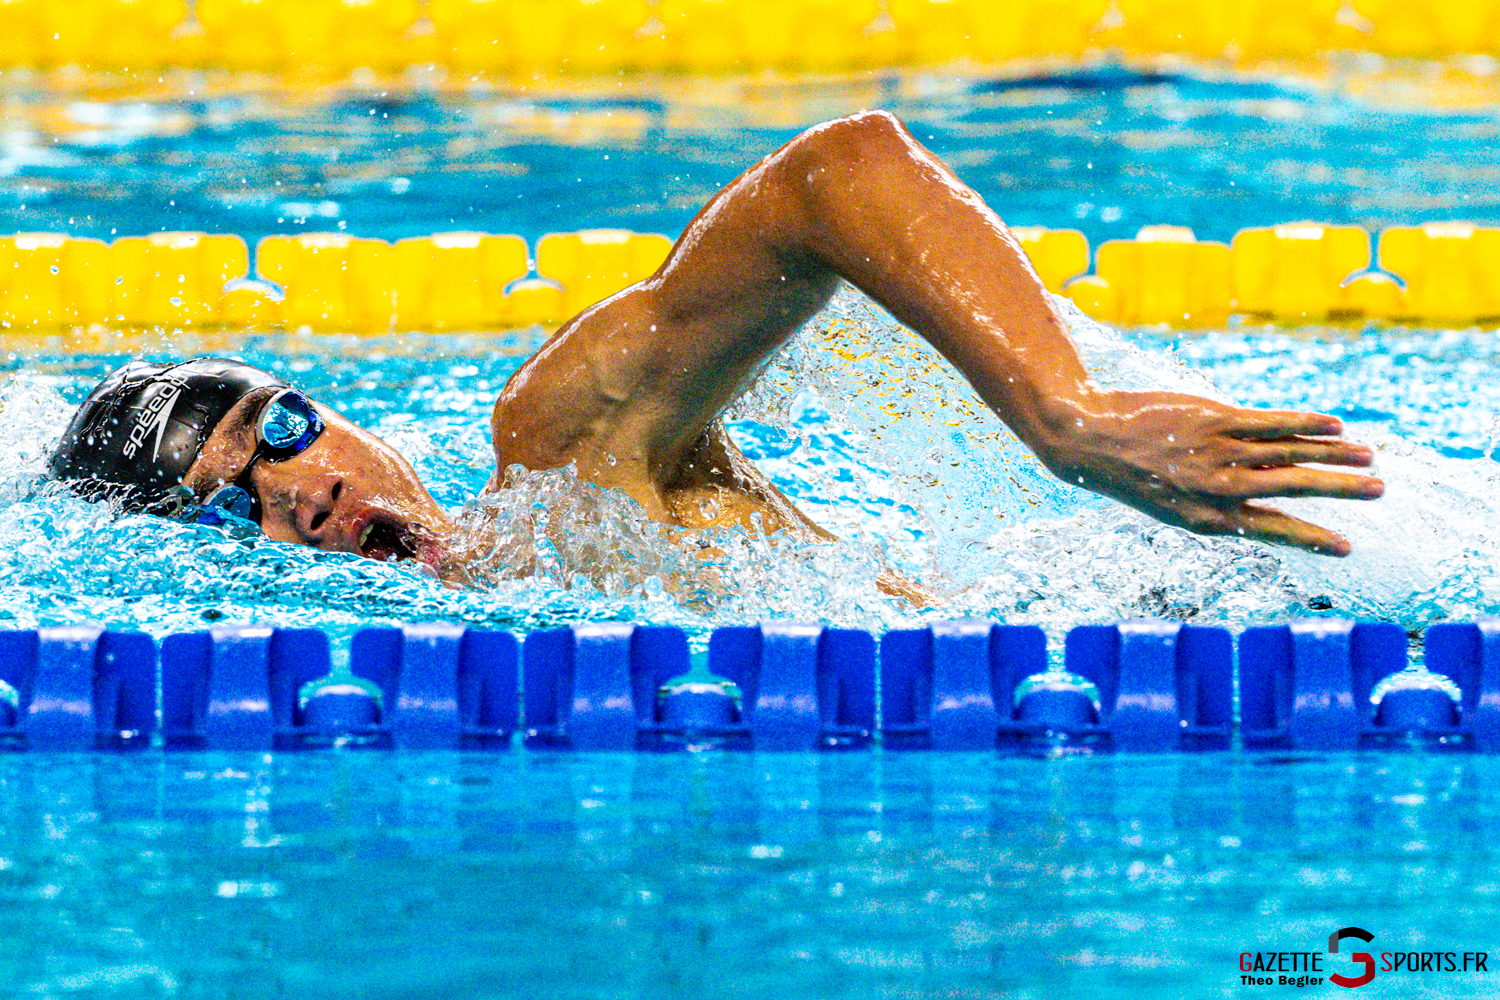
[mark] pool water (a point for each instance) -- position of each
(731, 875)
(702, 875)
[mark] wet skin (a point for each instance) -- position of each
(631, 390)
(349, 491)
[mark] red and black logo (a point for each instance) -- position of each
(1359, 957)
(1308, 968)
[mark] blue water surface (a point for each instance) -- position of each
(731, 875)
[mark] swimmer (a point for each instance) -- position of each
(632, 390)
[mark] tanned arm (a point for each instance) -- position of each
(631, 389)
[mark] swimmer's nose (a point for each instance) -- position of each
(316, 503)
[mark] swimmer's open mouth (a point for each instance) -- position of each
(387, 541)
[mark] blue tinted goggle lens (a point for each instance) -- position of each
(228, 507)
(287, 425)
(232, 500)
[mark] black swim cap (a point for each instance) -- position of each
(142, 428)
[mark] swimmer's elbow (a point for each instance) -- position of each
(848, 161)
(856, 140)
(870, 126)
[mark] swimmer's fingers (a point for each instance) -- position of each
(1266, 524)
(1301, 451)
(895, 585)
(1262, 424)
(1296, 481)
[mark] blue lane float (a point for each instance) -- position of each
(446, 686)
(1330, 684)
(77, 688)
(417, 687)
(776, 686)
(780, 686)
(1469, 655)
(1163, 685)
(972, 685)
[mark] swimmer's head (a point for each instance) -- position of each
(150, 434)
(141, 429)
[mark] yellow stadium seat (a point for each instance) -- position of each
(69, 32)
(317, 35)
(473, 35)
(456, 281)
(308, 30)
(995, 32)
(652, 49)
(88, 282)
(1151, 27)
(173, 280)
(1095, 296)
(1374, 295)
(846, 33)
(1451, 270)
(1165, 275)
(933, 31)
(243, 34)
(51, 280)
(1046, 28)
(1057, 254)
(596, 263)
(91, 34)
(252, 304)
(506, 35)
(21, 36)
(1295, 271)
(541, 33)
(372, 34)
(703, 36)
(1289, 29)
(1403, 28)
(535, 300)
(138, 34)
(774, 35)
(605, 36)
(331, 281)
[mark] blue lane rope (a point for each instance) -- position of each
(1323, 683)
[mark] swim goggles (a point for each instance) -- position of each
(287, 425)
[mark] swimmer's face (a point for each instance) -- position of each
(348, 491)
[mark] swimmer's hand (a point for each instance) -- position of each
(1197, 464)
